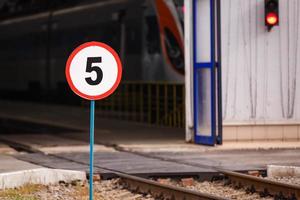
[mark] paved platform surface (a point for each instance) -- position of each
(5, 149)
(11, 164)
(168, 161)
(119, 161)
(77, 118)
(227, 146)
(235, 159)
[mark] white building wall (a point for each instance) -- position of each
(260, 72)
(260, 68)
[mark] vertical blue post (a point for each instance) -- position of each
(92, 120)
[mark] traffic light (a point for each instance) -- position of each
(271, 13)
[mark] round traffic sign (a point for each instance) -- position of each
(93, 70)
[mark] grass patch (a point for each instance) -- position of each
(23, 193)
(31, 192)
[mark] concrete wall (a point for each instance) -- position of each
(260, 70)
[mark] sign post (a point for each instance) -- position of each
(93, 72)
(92, 124)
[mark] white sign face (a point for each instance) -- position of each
(93, 70)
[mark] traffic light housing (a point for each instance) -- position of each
(271, 13)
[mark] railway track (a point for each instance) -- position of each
(135, 183)
(278, 190)
(157, 190)
(162, 191)
(264, 187)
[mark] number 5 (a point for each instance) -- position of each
(90, 68)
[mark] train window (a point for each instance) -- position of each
(112, 35)
(152, 35)
(179, 4)
(15, 8)
(174, 51)
(133, 37)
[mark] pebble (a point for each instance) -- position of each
(166, 181)
(287, 179)
(187, 182)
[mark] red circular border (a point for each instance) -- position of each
(70, 82)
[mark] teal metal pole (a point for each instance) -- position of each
(92, 122)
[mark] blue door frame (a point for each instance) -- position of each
(207, 138)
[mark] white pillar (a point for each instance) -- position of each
(188, 40)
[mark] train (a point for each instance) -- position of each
(37, 37)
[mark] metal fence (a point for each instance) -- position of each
(157, 103)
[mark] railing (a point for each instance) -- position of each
(157, 103)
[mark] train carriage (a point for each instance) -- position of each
(148, 35)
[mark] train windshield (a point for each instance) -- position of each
(179, 4)
(174, 38)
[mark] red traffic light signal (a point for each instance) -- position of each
(271, 13)
(272, 19)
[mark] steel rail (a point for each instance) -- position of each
(162, 191)
(265, 187)
(158, 190)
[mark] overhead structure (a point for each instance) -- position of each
(203, 71)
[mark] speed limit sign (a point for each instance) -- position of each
(93, 70)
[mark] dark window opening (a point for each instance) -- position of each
(174, 51)
(152, 35)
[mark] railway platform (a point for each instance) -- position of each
(57, 137)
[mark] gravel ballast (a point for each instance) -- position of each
(218, 188)
(112, 190)
(103, 190)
